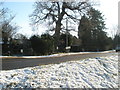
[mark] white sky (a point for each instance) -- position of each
(109, 8)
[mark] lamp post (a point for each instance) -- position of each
(67, 48)
(66, 32)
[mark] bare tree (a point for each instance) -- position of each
(56, 12)
(7, 28)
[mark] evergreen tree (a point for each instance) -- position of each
(91, 31)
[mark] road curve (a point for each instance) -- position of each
(17, 63)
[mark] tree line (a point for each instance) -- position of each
(61, 17)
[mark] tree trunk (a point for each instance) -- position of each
(58, 26)
(57, 34)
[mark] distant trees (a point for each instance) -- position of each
(116, 40)
(116, 36)
(91, 31)
(55, 14)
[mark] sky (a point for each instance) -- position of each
(23, 8)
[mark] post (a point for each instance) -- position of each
(66, 32)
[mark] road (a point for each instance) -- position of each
(17, 63)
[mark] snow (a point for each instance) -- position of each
(55, 55)
(99, 72)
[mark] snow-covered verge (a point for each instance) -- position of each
(55, 55)
(99, 72)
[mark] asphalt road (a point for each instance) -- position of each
(17, 63)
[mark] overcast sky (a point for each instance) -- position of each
(23, 8)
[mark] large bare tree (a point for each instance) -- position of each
(56, 12)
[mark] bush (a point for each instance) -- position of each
(42, 45)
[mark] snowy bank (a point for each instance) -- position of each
(100, 72)
(56, 55)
